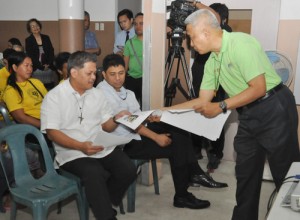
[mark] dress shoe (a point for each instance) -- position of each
(190, 201)
(206, 180)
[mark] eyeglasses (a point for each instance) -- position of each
(34, 26)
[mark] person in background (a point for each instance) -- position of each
(15, 43)
(156, 140)
(267, 113)
(91, 44)
(133, 57)
(4, 71)
(214, 149)
(125, 19)
(39, 48)
(61, 65)
(72, 115)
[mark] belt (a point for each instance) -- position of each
(268, 94)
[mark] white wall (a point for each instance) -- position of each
(290, 10)
(264, 14)
(47, 10)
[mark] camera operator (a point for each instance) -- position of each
(214, 149)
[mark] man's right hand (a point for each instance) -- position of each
(89, 149)
(163, 140)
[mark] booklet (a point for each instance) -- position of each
(134, 120)
(189, 120)
(109, 141)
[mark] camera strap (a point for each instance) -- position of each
(136, 57)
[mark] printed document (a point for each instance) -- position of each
(109, 141)
(189, 120)
(134, 120)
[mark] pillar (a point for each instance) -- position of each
(71, 28)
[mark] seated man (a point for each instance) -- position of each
(157, 140)
(72, 114)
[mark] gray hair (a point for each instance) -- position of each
(208, 16)
(79, 58)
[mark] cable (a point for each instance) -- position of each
(272, 196)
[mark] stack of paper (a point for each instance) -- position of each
(189, 120)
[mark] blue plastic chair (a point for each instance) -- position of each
(132, 188)
(38, 194)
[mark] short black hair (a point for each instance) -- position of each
(7, 52)
(126, 12)
(139, 14)
(221, 9)
(112, 60)
(86, 14)
(15, 41)
(60, 59)
(31, 20)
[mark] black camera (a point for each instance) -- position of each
(180, 10)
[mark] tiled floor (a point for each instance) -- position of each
(159, 207)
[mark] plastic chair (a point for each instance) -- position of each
(132, 188)
(3, 184)
(5, 115)
(38, 194)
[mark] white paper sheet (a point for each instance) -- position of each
(109, 141)
(134, 120)
(189, 120)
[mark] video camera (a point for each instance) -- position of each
(180, 10)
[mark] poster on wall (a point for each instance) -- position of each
(297, 78)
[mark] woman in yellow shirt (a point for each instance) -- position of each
(23, 95)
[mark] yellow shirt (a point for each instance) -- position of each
(32, 99)
(4, 74)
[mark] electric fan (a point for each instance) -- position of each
(282, 65)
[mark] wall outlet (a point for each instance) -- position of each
(101, 26)
(97, 26)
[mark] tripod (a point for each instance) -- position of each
(177, 51)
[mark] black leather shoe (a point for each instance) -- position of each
(190, 201)
(206, 180)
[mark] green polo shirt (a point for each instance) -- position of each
(135, 69)
(241, 59)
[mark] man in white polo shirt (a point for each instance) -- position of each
(72, 114)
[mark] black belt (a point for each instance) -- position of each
(266, 96)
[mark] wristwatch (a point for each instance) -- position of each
(223, 106)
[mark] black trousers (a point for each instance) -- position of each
(105, 179)
(180, 154)
(135, 85)
(266, 130)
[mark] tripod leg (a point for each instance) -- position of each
(169, 61)
(187, 75)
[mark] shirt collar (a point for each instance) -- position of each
(225, 39)
(72, 90)
(122, 94)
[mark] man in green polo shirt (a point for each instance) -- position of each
(268, 118)
(133, 57)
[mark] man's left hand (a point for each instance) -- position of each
(208, 109)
